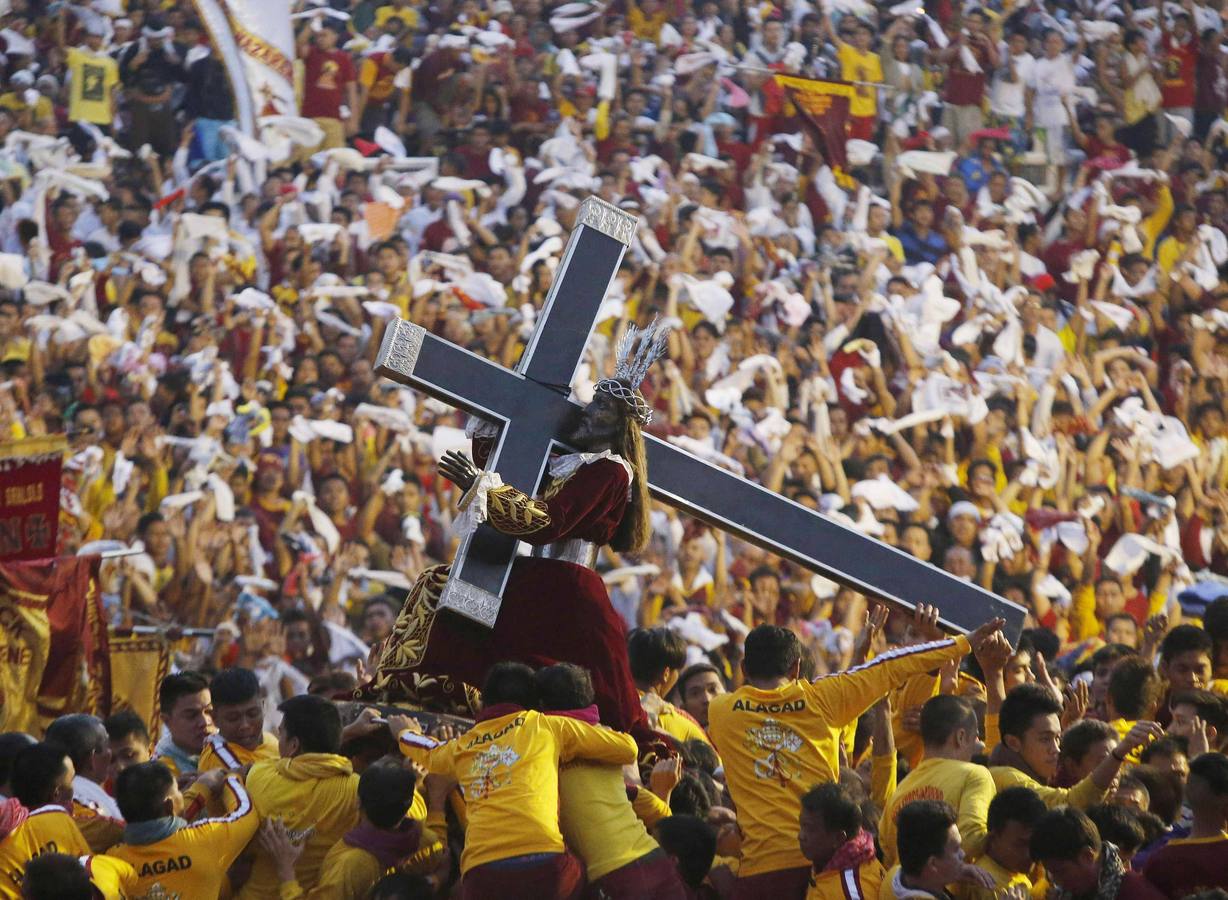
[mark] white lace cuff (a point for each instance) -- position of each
(473, 503)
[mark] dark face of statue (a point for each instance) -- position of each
(599, 424)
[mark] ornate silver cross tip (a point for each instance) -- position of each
(608, 219)
(400, 348)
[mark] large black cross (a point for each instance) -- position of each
(531, 408)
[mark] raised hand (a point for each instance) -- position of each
(994, 653)
(925, 623)
(984, 633)
(1140, 735)
(458, 469)
(871, 628)
(1075, 703)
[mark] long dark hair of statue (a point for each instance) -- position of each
(635, 528)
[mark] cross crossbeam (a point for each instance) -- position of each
(532, 411)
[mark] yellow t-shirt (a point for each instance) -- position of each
(777, 744)
(508, 769)
(113, 878)
(408, 16)
(220, 753)
(967, 787)
(193, 861)
(912, 693)
(48, 829)
(1153, 226)
(15, 349)
(649, 808)
(1002, 879)
(94, 78)
(1081, 796)
(15, 102)
(646, 28)
(316, 795)
(100, 832)
(1169, 251)
(861, 883)
(597, 820)
(858, 66)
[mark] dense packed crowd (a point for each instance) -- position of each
(996, 339)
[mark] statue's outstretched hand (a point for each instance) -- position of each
(458, 469)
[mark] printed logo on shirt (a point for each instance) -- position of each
(157, 892)
(92, 80)
(925, 792)
(781, 742)
(328, 76)
(486, 771)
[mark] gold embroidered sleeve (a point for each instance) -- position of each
(514, 512)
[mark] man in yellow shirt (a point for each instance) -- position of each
(646, 18)
(1134, 693)
(1182, 230)
(778, 736)
(186, 708)
(931, 859)
(171, 857)
(386, 838)
(841, 852)
(861, 65)
(1012, 816)
(597, 820)
(42, 783)
(311, 788)
(508, 769)
(696, 687)
(93, 79)
(950, 733)
(238, 712)
(657, 657)
(1031, 728)
(14, 345)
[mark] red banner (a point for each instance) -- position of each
(53, 642)
(823, 109)
(30, 497)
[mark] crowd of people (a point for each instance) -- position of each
(994, 337)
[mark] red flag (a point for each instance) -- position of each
(53, 643)
(823, 109)
(30, 496)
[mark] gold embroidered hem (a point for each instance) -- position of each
(396, 678)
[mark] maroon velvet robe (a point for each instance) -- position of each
(552, 611)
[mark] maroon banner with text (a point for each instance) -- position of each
(30, 497)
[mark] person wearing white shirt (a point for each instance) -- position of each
(1053, 80)
(1008, 98)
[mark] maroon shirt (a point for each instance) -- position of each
(325, 79)
(966, 88)
(1184, 867)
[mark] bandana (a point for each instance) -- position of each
(12, 814)
(1112, 871)
(389, 846)
(153, 830)
(853, 854)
